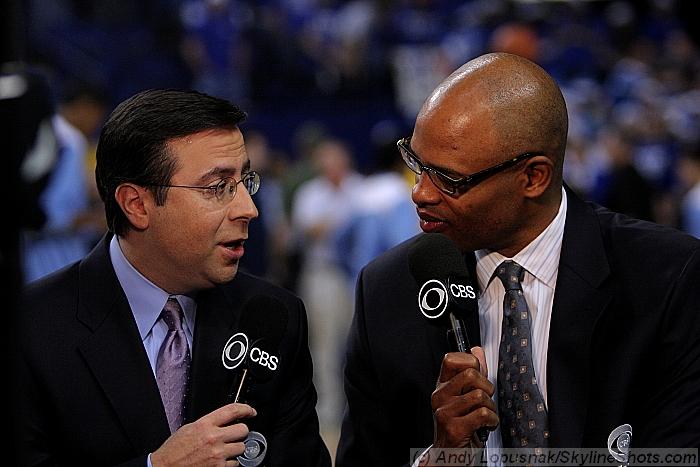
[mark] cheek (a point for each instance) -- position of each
(463, 211)
(188, 230)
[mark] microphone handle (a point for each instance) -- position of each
(460, 341)
(240, 386)
(255, 443)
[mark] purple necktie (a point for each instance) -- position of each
(173, 365)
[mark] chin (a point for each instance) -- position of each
(227, 276)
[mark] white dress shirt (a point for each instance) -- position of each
(540, 259)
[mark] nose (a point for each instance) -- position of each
(425, 192)
(242, 206)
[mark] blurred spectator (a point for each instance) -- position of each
(320, 207)
(384, 214)
(516, 38)
(84, 107)
(269, 233)
(689, 171)
(72, 223)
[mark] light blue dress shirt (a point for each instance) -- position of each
(147, 301)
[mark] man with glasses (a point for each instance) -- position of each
(120, 354)
(595, 313)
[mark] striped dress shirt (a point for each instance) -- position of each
(540, 259)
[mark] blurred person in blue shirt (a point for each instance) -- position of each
(689, 172)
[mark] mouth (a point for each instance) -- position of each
(233, 249)
(430, 223)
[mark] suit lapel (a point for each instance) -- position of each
(210, 382)
(580, 297)
(115, 354)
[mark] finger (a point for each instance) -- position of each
(478, 352)
(234, 433)
(231, 463)
(466, 424)
(468, 380)
(226, 414)
(459, 431)
(455, 362)
(233, 450)
(482, 418)
(464, 404)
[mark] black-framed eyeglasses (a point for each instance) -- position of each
(444, 182)
(225, 189)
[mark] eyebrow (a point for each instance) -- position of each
(449, 172)
(223, 172)
(446, 171)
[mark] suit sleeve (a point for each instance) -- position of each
(366, 437)
(674, 407)
(296, 438)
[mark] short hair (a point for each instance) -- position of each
(133, 144)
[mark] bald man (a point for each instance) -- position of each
(612, 304)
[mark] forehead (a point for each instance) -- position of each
(453, 137)
(207, 149)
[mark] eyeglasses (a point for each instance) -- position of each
(225, 189)
(444, 182)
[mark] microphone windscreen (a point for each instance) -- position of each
(264, 320)
(435, 256)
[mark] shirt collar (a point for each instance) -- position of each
(145, 298)
(540, 257)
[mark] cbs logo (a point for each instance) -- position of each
(432, 299)
(433, 296)
(462, 291)
(236, 351)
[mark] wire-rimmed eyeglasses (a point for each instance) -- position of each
(225, 189)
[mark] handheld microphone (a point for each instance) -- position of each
(447, 291)
(254, 350)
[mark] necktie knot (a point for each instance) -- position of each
(511, 274)
(172, 315)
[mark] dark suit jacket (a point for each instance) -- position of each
(624, 344)
(87, 394)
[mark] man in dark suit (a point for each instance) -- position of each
(612, 303)
(120, 355)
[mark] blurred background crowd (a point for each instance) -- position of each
(329, 86)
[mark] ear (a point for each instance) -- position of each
(538, 172)
(132, 200)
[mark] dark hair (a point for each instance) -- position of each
(133, 145)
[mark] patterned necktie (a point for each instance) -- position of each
(521, 407)
(173, 365)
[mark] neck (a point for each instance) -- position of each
(138, 257)
(537, 216)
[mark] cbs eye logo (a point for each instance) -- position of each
(432, 299)
(434, 296)
(236, 351)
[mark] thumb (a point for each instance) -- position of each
(478, 352)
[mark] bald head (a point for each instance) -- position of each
(517, 105)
